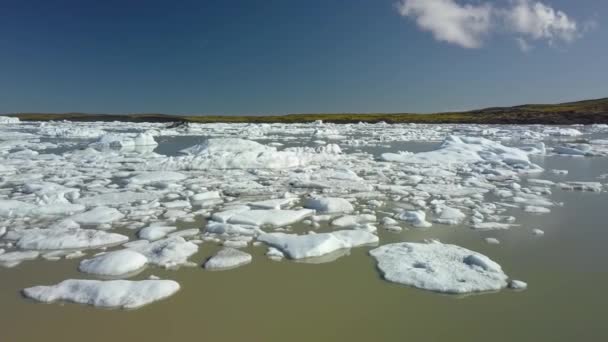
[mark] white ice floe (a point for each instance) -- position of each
(467, 150)
(170, 252)
(538, 232)
(124, 140)
(275, 218)
(228, 258)
(109, 293)
(231, 153)
(517, 285)
(438, 267)
(582, 186)
(329, 205)
(316, 245)
(536, 210)
(492, 241)
(157, 177)
(351, 221)
(155, 232)
(47, 239)
(416, 218)
(116, 198)
(12, 259)
(114, 264)
(8, 120)
(232, 229)
(98, 215)
(449, 216)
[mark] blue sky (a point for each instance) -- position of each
(288, 56)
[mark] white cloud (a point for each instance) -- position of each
(463, 25)
(523, 44)
(538, 21)
(466, 24)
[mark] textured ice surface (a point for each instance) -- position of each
(315, 245)
(98, 215)
(439, 267)
(117, 263)
(169, 252)
(328, 205)
(45, 239)
(228, 258)
(109, 293)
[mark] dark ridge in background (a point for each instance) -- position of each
(580, 112)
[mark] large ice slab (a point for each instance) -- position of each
(124, 294)
(271, 217)
(439, 267)
(228, 258)
(466, 150)
(329, 205)
(98, 215)
(316, 245)
(49, 239)
(170, 252)
(114, 264)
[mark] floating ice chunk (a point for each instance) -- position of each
(452, 190)
(45, 239)
(155, 232)
(232, 229)
(157, 177)
(116, 198)
(492, 226)
(350, 221)
(415, 218)
(8, 120)
(224, 216)
(536, 210)
(12, 208)
(275, 218)
(387, 221)
(438, 267)
(466, 150)
(276, 204)
(114, 264)
(449, 216)
(563, 132)
(169, 252)
(582, 186)
(232, 153)
(492, 241)
(98, 215)
(116, 140)
(559, 172)
(329, 205)
(206, 199)
(574, 149)
(228, 258)
(274, 254)
(538, 232)
(124, 294)
(517, 285)
(316, 245)
(12, 259)
(176, 204)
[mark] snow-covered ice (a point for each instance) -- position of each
(438, 267)
(228, 258)
(115, 264)
(124, 294)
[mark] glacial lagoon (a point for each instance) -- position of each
(124, 231)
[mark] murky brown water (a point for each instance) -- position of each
(346, 300)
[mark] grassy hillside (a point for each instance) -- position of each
(581, 112)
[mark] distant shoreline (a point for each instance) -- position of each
(582, 112)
